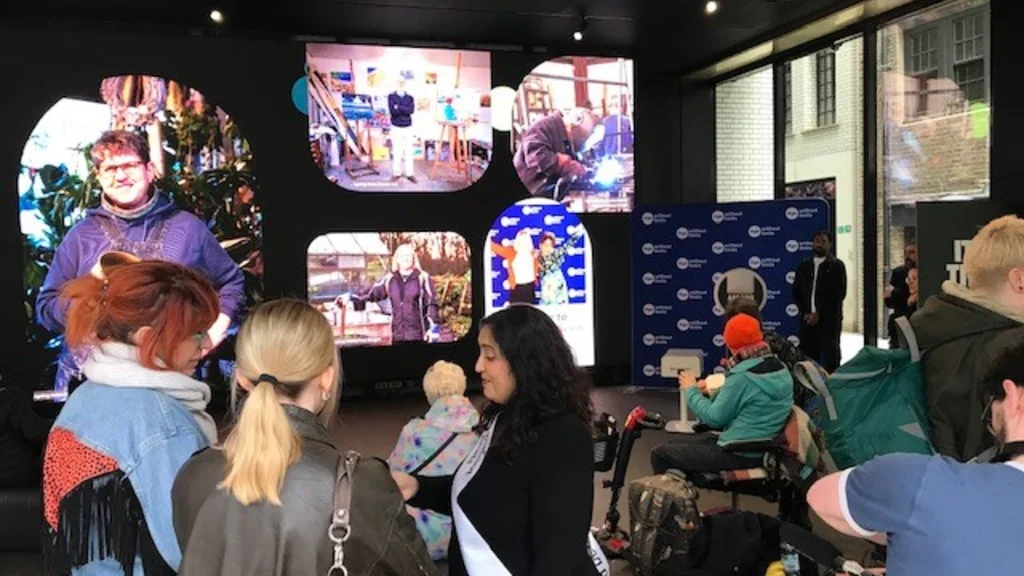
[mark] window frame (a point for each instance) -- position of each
(947, 65)
(825, 88)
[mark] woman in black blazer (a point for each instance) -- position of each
(521, 502)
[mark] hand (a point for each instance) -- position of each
(407, 485)
(811, 319)
(703, 387)
(912, 299)
(888, 291)
(569, 167)
(686, 380)
(217, 332)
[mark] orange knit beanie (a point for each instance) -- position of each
(741, 331)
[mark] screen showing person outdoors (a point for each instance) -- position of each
(538, 253)
(149, 168)
(398, 119)
(572, 133)
(384, 288)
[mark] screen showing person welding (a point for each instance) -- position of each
(97, 159)
(384, 288)
(572, 133)
(399, 119)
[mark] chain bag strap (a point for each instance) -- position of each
(341, 528)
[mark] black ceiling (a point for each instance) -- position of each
(669, 35)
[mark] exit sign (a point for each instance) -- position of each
(845, 229)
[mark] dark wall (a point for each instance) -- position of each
(251, 81)
(1007, 172)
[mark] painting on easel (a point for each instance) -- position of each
(423, 121)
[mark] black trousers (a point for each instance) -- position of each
(523, 294)
(698, 454)
(821, 343)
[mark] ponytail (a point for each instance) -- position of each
(84, 298)
(260, 448)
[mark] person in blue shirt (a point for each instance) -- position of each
(935, 514)
(401, 107)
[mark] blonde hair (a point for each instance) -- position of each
(995, 250)
(405, 248)
(292, 343)
(444, 379)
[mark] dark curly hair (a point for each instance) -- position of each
(548, 382)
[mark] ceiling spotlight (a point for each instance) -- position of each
(217, 16)
(578, 34)
(711, 7)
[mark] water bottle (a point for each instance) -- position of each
(790, 560)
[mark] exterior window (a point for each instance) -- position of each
(826, 84)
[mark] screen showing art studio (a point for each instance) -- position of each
(385, 288)
(399, 119)
(572, 133)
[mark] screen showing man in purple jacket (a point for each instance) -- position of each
(548, 149)
(134, 217)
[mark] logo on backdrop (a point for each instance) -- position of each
(793, 310)
(718, 340)
(794, 340)
(792, 246)
(740, 283)
(649, 370)
(790, 277)
(792, 213)
(649, 218)
(719, 216)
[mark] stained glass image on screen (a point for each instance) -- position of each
(384, 288)
(198, 175)
(539, 253)
(572, 133)
(399, 119)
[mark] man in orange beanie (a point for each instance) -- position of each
(753, 404)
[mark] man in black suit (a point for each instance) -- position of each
(897, 293)
(819, 290)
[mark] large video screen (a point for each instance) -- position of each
(384, 288)
(399, 119)
(538, 253)
(73, 210)
(572, 133)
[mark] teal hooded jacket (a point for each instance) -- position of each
(753, 404)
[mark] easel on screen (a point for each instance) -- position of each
(456, 133)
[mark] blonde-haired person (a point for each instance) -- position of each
(262, 502)
(957, 325)
(411, 293)
(436, 444)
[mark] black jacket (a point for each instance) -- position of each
(830, 293)
(534, 514)
(955, 329)
(898, 299)
(219, 536)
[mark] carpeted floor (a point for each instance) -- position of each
(372, 426)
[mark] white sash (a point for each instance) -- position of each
(477, 555)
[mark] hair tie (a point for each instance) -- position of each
(268, 379)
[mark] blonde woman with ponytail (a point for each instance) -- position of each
(261, 503)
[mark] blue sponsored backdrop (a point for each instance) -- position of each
(690, 260)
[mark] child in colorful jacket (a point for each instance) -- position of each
(436, 444)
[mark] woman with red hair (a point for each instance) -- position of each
(117, 445)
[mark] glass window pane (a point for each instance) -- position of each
(934, 128)
(829, 162)
(744, 137)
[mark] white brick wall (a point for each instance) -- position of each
(744, 127)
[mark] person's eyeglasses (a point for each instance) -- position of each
(986, 417)
(109, 172)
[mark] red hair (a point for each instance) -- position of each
(174, 301)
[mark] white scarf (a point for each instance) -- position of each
(116, 364)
